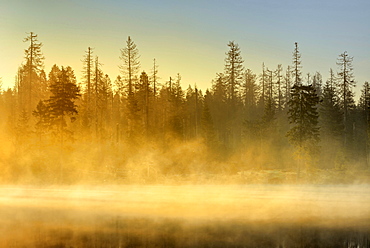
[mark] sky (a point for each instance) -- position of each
(188, 37)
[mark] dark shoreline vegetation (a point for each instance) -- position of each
(146, 232)
(276, 127)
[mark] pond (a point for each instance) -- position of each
(185, 216)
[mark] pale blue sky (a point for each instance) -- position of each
(188, 37)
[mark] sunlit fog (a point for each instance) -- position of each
(264, 153)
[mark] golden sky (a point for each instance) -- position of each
(188, 37)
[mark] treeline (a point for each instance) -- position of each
(266, 119)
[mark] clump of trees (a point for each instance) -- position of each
(266, 118)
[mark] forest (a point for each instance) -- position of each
(276, 125)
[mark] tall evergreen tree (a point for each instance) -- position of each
(287, 86)
(87, 104)
(105, 97)
(88, 67)
(219, 107)
(303, 117)
(233, 71)
(346, 83)
(269, 108)
(61, 103)
(207, 127)
(250, 90)
(42, 114)
(302, 114)
(131, 64)
(279, 81)
(133, 116)
(32, 85)
(154, 78)
(144, 96)
(177, 98)
(317, 83)
(364, 107)
(297, 74)
(331, 116)
(263, 87)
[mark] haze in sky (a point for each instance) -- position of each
(188, 37)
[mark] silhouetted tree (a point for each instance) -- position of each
(287, 86)
(219, 107)
(144, 96)
(61, 103)
(42, 114)
(250, 90)
(177, 98)
(87, 100)
(105, 98)
(233, 71)
(131, 64)
(297, 74)
(33, 80)
(303, 116)
(317, 83)
(154, 77)
(269, 108)
(331, 116)
(345, 84)
(263, 87)
(364, 107)
(207, 127)
(278, 75)
(193, 108)
(88, 66)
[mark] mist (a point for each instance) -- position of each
(257, 160)
(185, 216)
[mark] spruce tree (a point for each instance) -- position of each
(33, 81)
(64, 93)
(207, 127)
(364, 108)
(287, 86)
(270, 108)
(263, 87)
(177, 98)
(302, 114)
(42, 114)
(105, 97)
(250, 91)
(317, 83)
(154, 78)
(278, 75)
(303, 117)
(345, 84)
(331, 116)
(131, 64)
(88, 66)
(87, 106)
(219, 107)
(144, 96)
(296, 70)
(233, 71)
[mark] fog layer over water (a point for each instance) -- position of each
(27, 210)
(251, 202)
